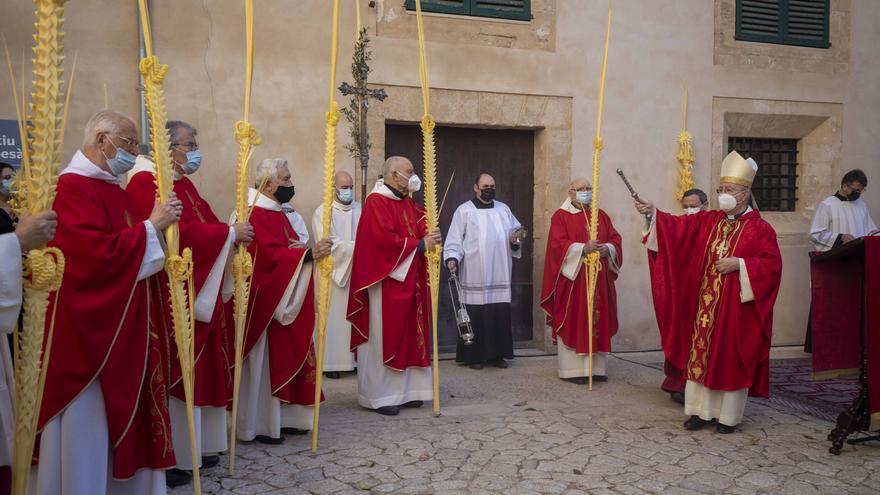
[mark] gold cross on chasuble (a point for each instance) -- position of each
(722, 241)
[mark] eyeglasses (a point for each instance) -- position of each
(583, 189)
(728, 190)
(129, 143)
(859, 190)
(186, 146)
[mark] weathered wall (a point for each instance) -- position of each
(657, 47)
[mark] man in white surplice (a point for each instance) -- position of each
(840, 218)
(483, 239)
(278, 374)
(343, 226)
(843, 216)
(31, 232)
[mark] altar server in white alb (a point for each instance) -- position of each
(844, 216)
(482, 241)
(343, 226)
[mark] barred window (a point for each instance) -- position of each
(775, 185)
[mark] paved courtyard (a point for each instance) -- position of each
(524, 431)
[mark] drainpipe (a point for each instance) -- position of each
(145, 123)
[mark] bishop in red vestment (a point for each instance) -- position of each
(389, 306)
(715, 276)
(564, 289)
(105, 399)
(210, 242)
(278, 376)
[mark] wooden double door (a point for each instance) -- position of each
(507, 155)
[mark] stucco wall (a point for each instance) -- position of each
(657, 48)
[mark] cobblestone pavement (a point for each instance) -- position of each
(524, 431)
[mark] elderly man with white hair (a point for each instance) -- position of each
(210, 242)
(388, 304)
(345, 214)
(564, 288)
(715, 276)
(278, 375)
(104, 420)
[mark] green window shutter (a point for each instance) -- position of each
(461, 7)
(520, 10)
(788, 22)
(759, 20)
(807, 23)
(503, 9)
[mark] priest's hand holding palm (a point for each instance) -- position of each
(244, 232)
(35, 230)
(322, 248)
(166, 214)
(432, 239)
(593, 246)
(727, 265)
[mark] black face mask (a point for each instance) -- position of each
(284, 194)
(487, 194)
(853, 196)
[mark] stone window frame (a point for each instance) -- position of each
(818, 128)
(409, 5)
(728, 51)
(395, 22)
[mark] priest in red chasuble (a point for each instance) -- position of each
(211, 243)
(564, 291)
(715, 276)
(278, 375)
(104, 421)
(389, 305)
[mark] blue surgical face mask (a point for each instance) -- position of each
(584, 197)
(121, 163)
(193, 162)
(345, 195)
(6, 187)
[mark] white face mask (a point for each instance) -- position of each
(414, 183)
(692, 210)
(726, 202)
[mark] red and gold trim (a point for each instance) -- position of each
(722, 243)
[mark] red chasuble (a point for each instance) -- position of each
(705, 329)
(108, 326)
(291, 353)
(564, 301)
(388, 233)
(205, 235)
